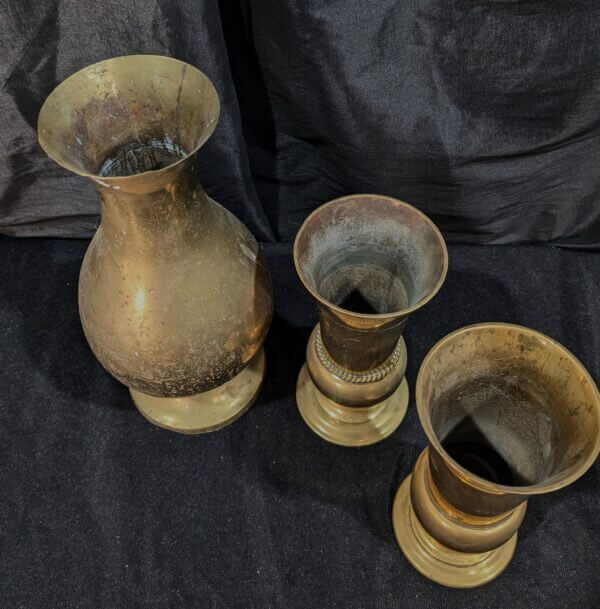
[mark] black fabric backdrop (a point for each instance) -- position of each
(484, 114)
(99, 508)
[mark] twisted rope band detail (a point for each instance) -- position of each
(351, 376)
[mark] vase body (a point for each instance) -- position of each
(369, 261)
(175, 295)
(509, 413)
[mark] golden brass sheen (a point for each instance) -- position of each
(509, 413)
(369, 261)
(175, 296)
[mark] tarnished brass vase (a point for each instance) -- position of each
(369, 261)
(175, 296)
(509, 413)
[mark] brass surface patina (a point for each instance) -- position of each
(509, 413)
(369, 261)
(175, 297)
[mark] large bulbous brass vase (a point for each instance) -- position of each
(509, 413)
(175, 296)
(369, 261)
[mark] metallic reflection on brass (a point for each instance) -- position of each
(175, 296)
(369, 261)
(210, 410)
(509, 413)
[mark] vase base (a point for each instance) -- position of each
(207, 411)
(438, 562)
(345, 425)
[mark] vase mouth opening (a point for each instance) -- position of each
(370, 256)
(509, 409)
(137, 115)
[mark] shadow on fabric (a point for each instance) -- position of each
(50, 320)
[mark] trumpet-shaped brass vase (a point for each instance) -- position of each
(509, 413)
(369, 261)
(175, 296)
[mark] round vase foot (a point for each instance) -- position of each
(438, 562)
(207, 411)
(346, 425)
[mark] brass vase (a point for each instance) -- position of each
(369, 261)
(175, 296)
(509, 413)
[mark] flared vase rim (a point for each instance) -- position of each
(374, 316)
(553, 482)
(49, 149)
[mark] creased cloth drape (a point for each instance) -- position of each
(484, 114)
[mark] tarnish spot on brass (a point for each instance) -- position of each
(528, 343)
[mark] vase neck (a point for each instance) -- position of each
(360, 344)
(466, 495)
(481, 527)
(159, 211)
